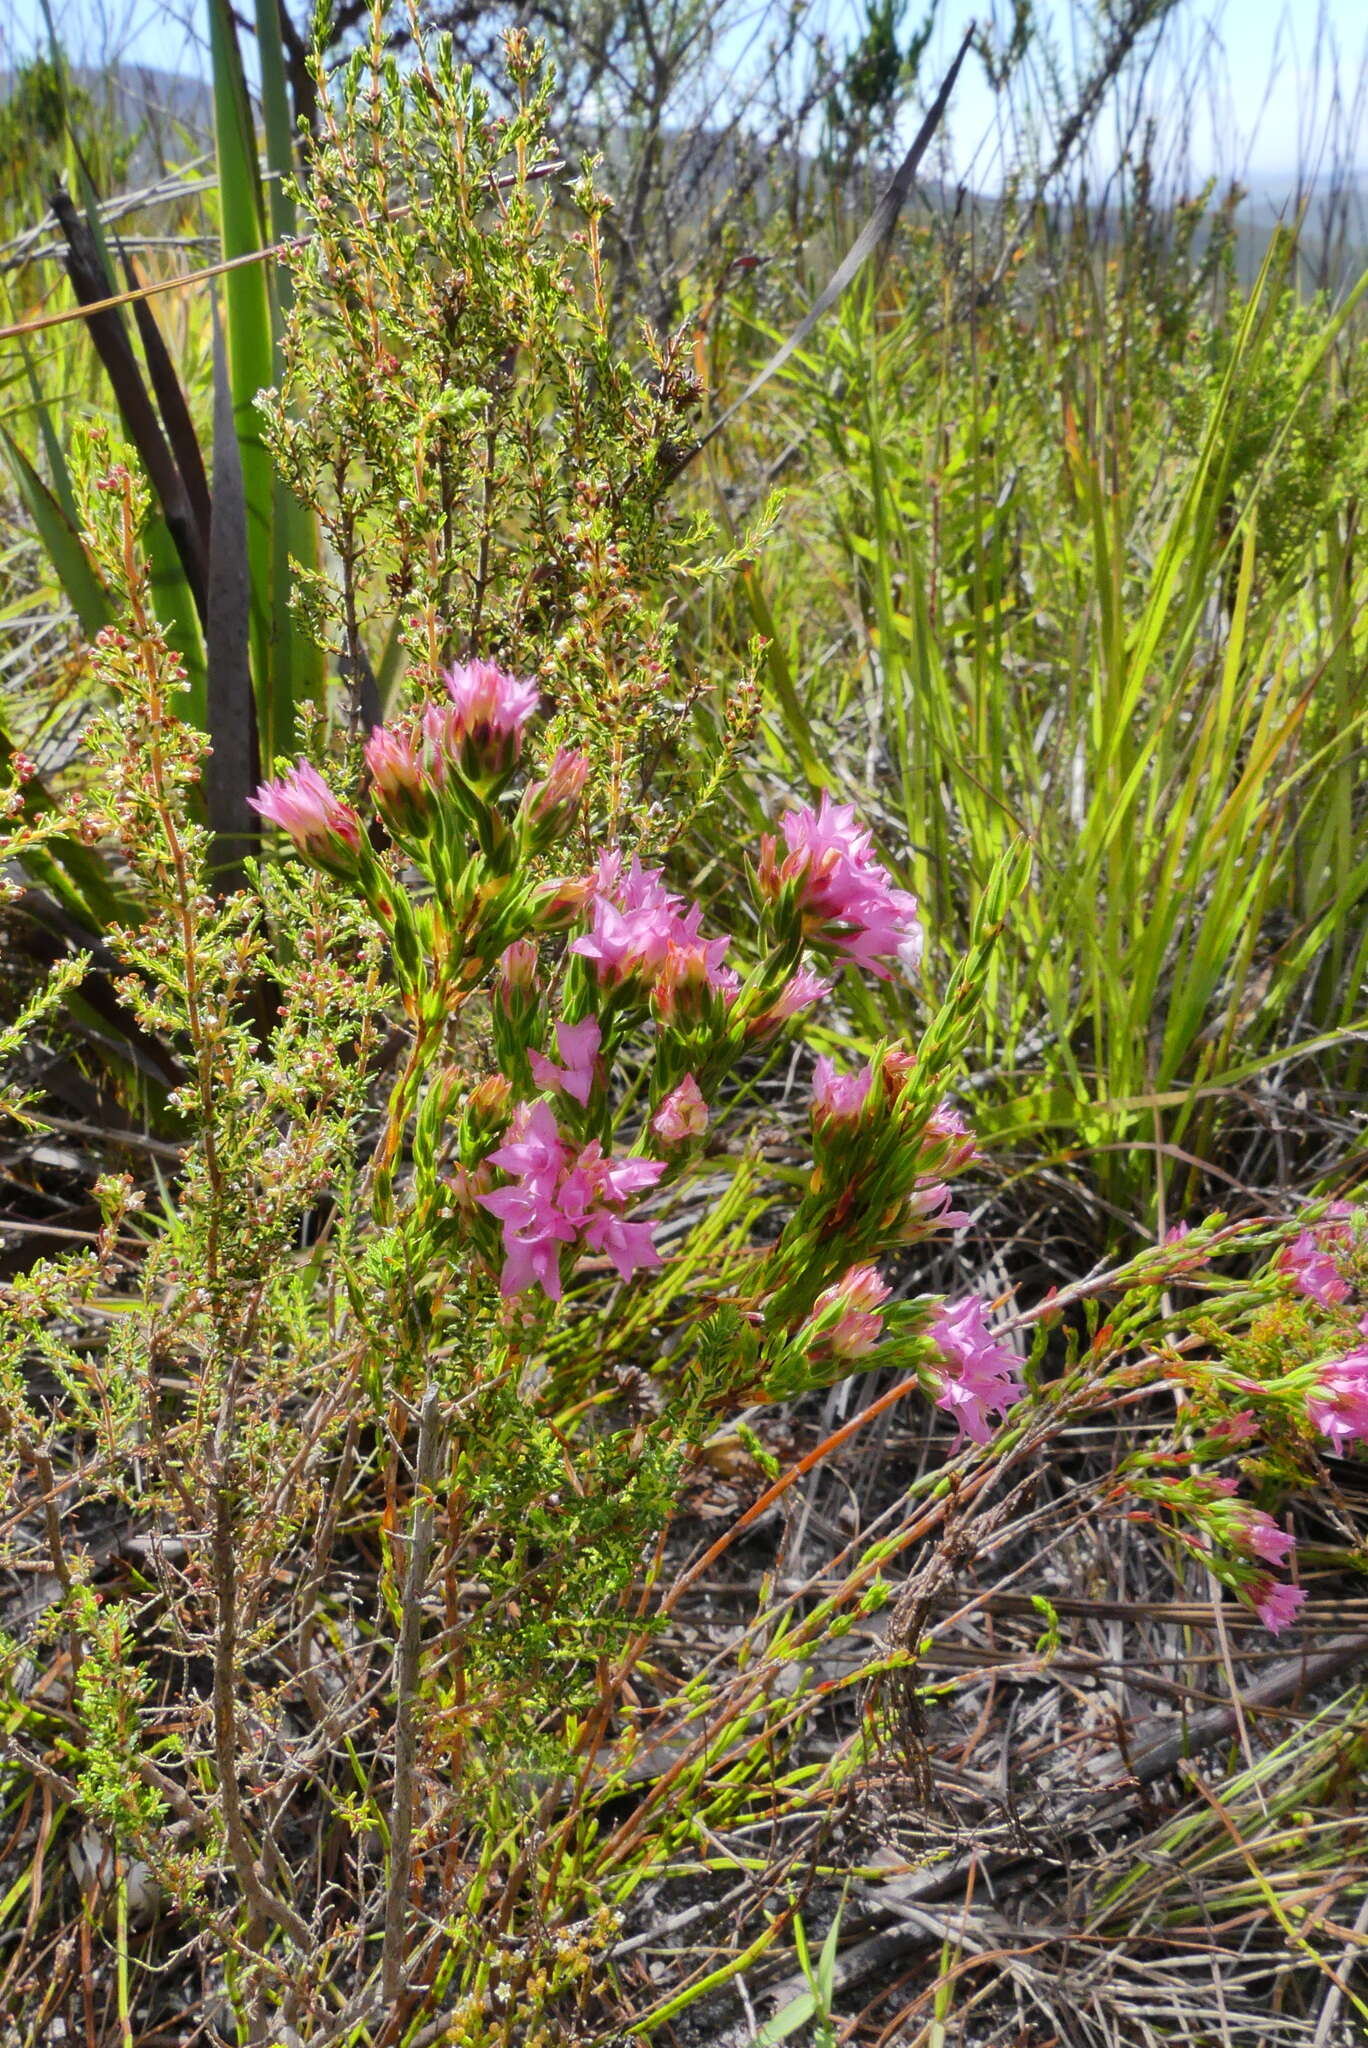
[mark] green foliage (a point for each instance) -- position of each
(405, 1684)
(489, 471)
(1060, 572)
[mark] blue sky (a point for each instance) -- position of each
(1244, 87)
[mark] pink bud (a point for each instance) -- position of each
(550, 805)
(517, 972)
(396, 771)
(682, 1114)
(857, 1297)
(949, 1142)
(799, 993)
(1236, 1429)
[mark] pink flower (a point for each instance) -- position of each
(324, 829)
(636, 923)
(1339, 1406)
(559, 1199)
(948, 1140)
(578, 1045)
(534, 1230)
(482, 728)
(845, 896)
(1260, 1535)
(858, 1296)
(1312, 1267)
(682, 1114)
(799, 993)
(1276, 1604)
(978, 1376)
(401, 787)
(838, 1098)
(929, 1203)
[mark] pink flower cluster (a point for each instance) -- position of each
(1275, 1602)
(1256, 1533)
(1232, 1538)
(323, 828)
(639, 927)
(482, 726)
(561, 1198)
(976, 1376)
(1338, 1406)
(845, 897)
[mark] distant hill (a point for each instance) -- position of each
(172, 114)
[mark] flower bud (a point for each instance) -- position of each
(402, 790)
(682, 1114)
(517, 970)
(948, 1143)
(549, 806)
(799, 993)
(482, 728)
(324, 829)
(856, 1300)
(557, 905)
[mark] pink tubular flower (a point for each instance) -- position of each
(838, 1098)
(401, 787)
(1339, 1405)
(1276, 1604)
(948, 1140)
(1312, 1268)
(636, 924)
(324, 829)
(845, 896)
(800, 992)
(560, 1200)
(929, 1205)
(482, 728)
(578, 1045)
(534, 1230)
(978, 1376)
(682, 1114)
(859, 1295)
(1261, 1537)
